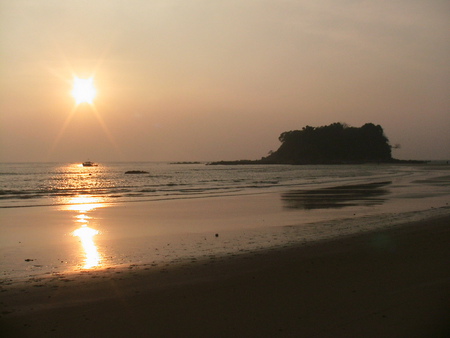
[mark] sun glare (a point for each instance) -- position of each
(86, 235)
(83, 90)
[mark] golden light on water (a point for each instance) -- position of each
(93, 257)
(82, 218)
(83, 204)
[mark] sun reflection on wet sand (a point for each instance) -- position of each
(86, 234)
(83, 204)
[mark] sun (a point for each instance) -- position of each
(83, 90)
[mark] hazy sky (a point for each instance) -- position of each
(185, 80)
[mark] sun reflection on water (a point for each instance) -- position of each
(84, 204)
(86, 234)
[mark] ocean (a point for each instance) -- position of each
(170, 213)
(45, 184)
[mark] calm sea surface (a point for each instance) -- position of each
(33, 184)
(321, 201)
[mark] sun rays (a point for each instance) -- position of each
(84, 92)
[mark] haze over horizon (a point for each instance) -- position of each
(206, 81)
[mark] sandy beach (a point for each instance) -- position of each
(356, 260)
(387, 283)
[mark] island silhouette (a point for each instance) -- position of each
(336, 143)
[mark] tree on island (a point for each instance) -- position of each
(335, 143)
(332, 144)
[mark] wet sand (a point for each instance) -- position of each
(385, 283)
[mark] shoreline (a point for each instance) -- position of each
(41, 243)
(388, 282)
(324, 162)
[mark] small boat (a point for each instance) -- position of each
(89, 164)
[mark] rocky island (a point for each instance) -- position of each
(336, 143)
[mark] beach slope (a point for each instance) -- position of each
(388, 283)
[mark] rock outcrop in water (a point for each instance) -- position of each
(136, 172)
(336, 143)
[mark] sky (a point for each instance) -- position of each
(202, 80)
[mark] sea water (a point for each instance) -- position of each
(41, 184)
(62, 217)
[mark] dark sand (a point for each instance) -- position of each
(389, 283)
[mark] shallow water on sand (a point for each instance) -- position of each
(90, 232)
